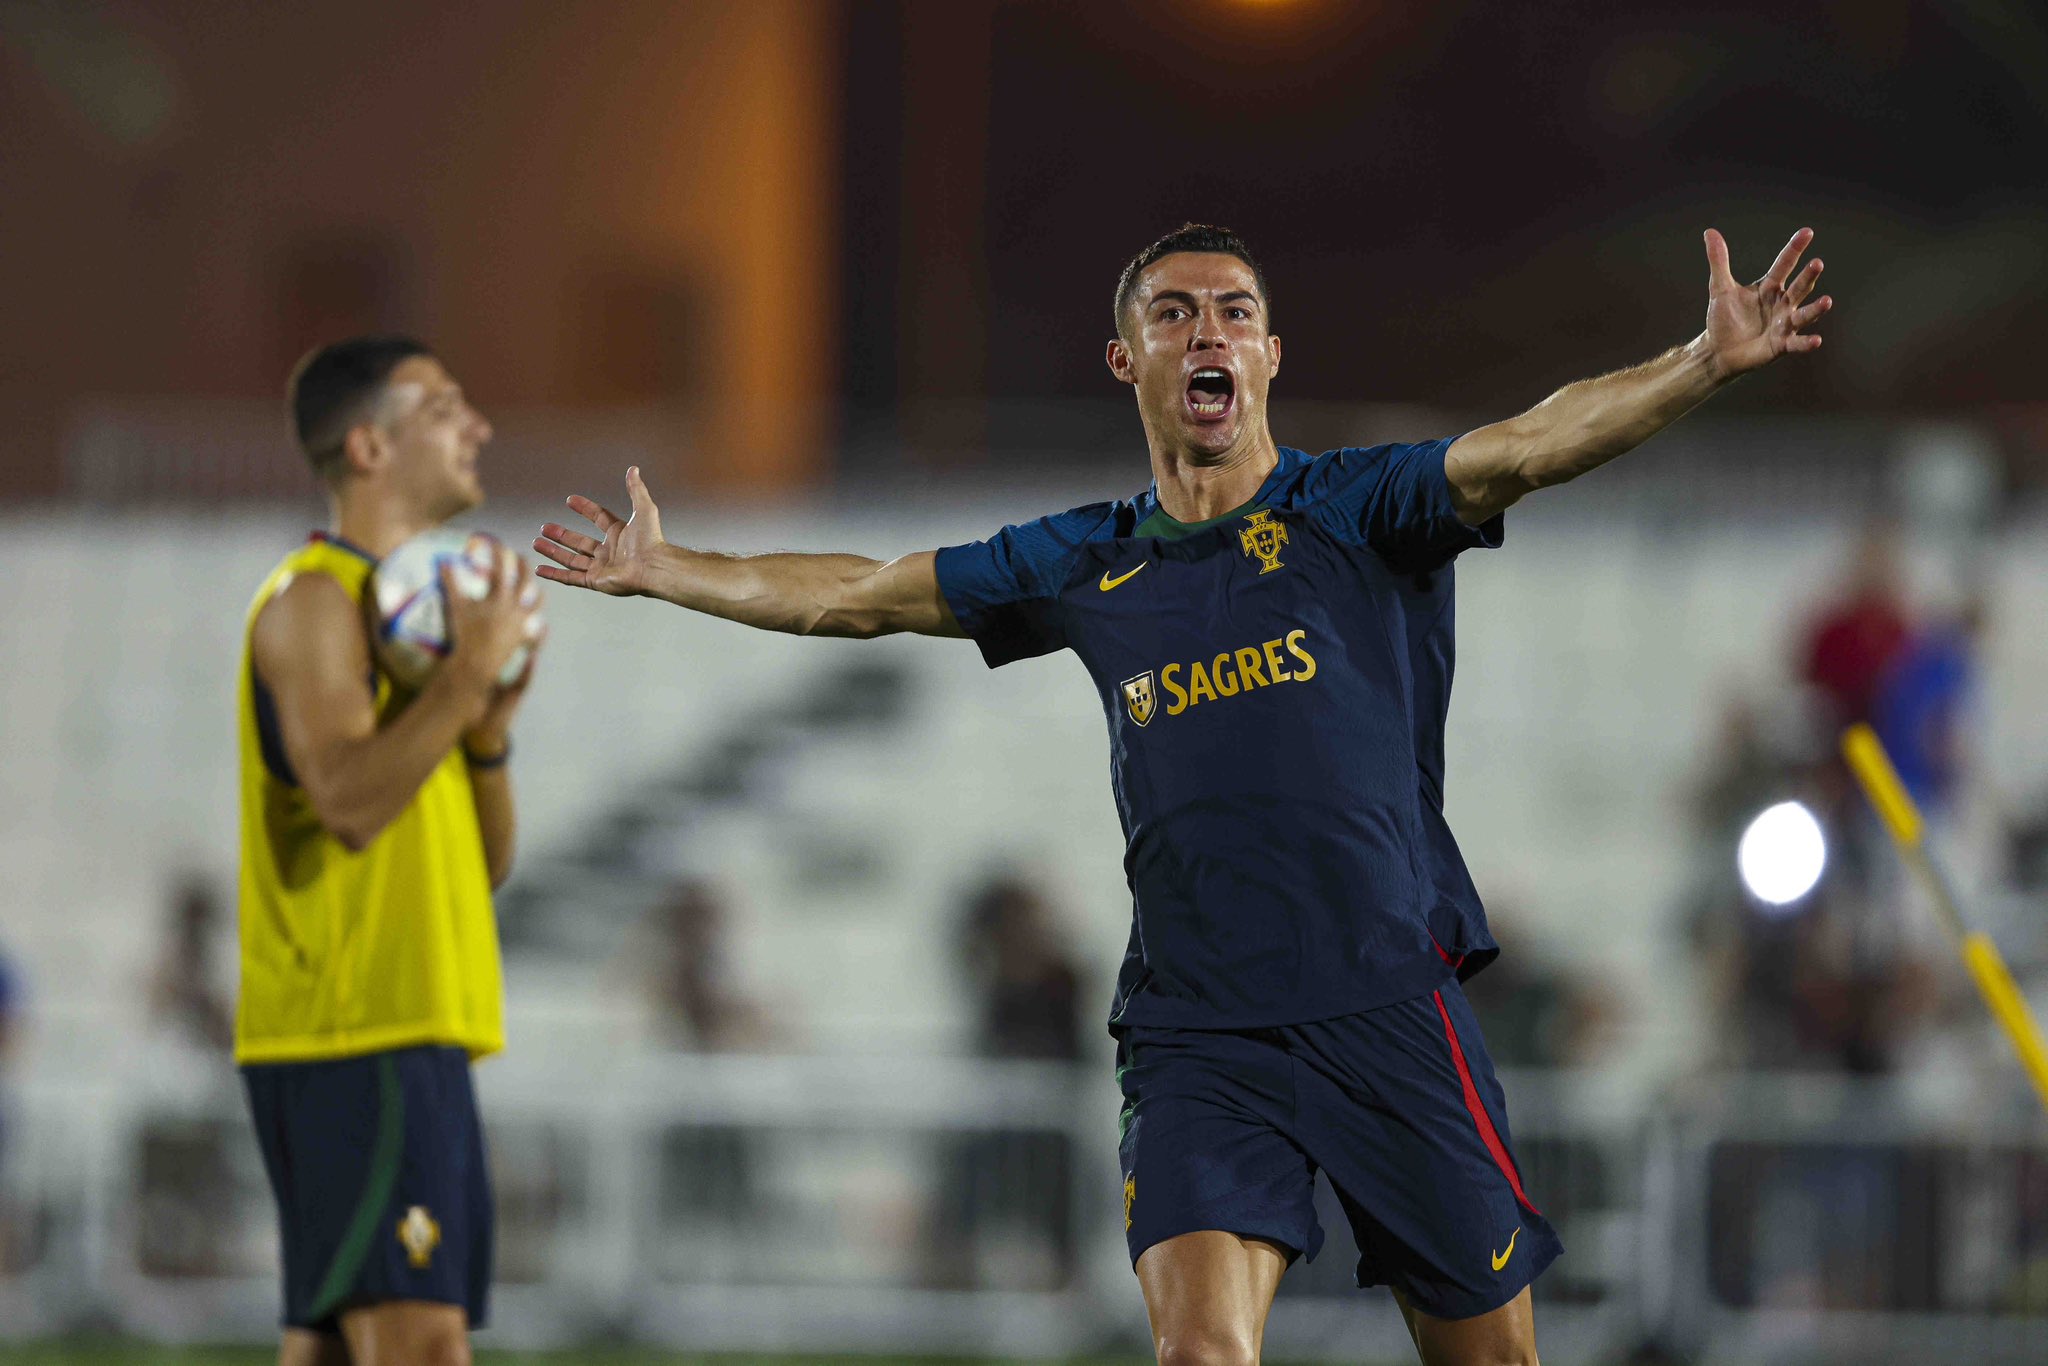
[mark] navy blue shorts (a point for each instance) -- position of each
(1226, 1129)
(377, 1164)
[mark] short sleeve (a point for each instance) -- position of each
(1397, 500)
(1005, 591)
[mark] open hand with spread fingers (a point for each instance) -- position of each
(617, 564)
(1749, 326)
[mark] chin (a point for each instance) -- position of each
(1215, 438)
(458, 501)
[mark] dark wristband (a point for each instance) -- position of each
(497, 760)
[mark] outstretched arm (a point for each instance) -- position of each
(806, 595)
(1584, 425)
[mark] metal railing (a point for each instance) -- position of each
(947, 1204)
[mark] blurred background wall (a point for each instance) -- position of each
(623, 205)
(827, 231)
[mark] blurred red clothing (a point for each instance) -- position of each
(1849, 648)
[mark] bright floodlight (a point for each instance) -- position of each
(1781, 854)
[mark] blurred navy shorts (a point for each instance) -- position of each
(377, 1163)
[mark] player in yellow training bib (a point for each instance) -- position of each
(375, 824)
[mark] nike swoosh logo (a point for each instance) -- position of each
(1109, 583)
(1500, 1259)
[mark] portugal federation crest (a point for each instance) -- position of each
(1263, 537)
(419, 1235)
(1139, 698)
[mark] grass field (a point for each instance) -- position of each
(115, 1353)
(97, 1353)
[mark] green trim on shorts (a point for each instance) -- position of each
(376, 1196)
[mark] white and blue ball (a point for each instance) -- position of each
(409, 613)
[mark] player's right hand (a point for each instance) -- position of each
(621, 563)
(483, 632)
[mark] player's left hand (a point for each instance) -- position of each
(620, 563)
(493, 733)
(1749, 326)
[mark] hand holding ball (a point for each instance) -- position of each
(414, 625)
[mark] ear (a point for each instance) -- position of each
(1273, 352)
(364, 450)
(1119, 358)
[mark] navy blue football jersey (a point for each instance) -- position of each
(1275, 683)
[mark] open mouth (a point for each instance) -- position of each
(1210, 393)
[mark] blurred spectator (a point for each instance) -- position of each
(10, 1006)
(10, 1027)
(185, 992)
(1004, 1216)
(1533, 1012)
(1922, 702)
(1829, 982)
(1826, 984)
(1026, 977)
(1854, 639)
(185, 1176)
(2027, 843)
(1745, 774)
(693, 986)
(708, 1172)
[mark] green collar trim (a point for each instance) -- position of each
(1168, 527)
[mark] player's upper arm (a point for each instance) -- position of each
(902, 595)
(310, 653)
(1483, 468)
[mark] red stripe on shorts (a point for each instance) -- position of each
(1487, 1133)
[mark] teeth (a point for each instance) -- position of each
(1211, 409)
(1207, 374)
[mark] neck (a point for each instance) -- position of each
(1194, 490)
(375, 523)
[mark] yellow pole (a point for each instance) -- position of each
(1873, 769)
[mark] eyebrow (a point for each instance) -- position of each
(436, 398)
(1182, 296)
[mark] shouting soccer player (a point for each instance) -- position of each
(1270, 633)
(374, 828)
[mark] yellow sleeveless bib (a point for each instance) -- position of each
(344, 953)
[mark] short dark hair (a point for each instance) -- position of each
(1189, 237)
(334, 387)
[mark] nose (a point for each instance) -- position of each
(481, 425)
(1208, 333)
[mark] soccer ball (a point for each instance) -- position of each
(409, 616)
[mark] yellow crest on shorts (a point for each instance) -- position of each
(1130, 1198)
(419, 1235)
(1263, 537)
(1139, 697)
